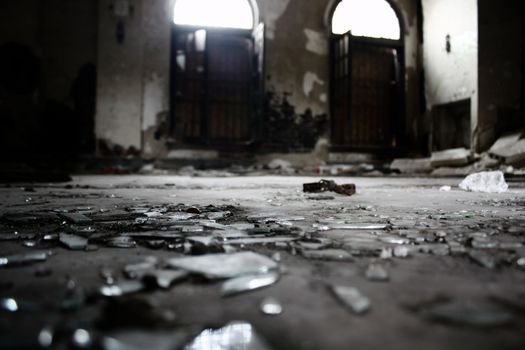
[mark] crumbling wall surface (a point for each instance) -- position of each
(500, 66)
(120, 72)
(297, 73)
(157, 22)
(451, 65)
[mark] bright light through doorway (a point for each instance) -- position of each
(370, 18)
(214, 13)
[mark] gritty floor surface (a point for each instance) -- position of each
(460, 287)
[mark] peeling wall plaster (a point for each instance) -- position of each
(309, 81)
(273, 10)
(317, 42)
(154, 100)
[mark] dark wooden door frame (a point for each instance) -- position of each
(398, 45)
(257, 37)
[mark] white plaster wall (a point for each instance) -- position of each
(451, 76)
(119, 85)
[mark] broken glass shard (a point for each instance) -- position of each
(121, 242)
(247, 283)
(225, 265)
(163, 278)
(107, 275)
(470, 313)
(22, 259)
(218, 215)
(205, 240)
(262, 240)
(327, 254)
(235, 335)
(180, 216)
(386, 253)
(76, 218)
(29, 244)
(73, 242)
(376, 272)
(482, 258)
(352, 298)
(394, 240)
(136, 270)
(122, 288)
(271, 306)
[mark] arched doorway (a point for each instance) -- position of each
(367, 69)
(217, 51)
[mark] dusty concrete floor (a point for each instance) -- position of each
(401, 313)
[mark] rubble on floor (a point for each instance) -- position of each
(451, 157)
(510, 148)
(234, 252)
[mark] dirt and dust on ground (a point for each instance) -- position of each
(262, 262)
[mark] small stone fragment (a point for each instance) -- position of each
(376, 272)
(73, 242)
(352, 298)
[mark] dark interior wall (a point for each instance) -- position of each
(53, 43)
(500, 67)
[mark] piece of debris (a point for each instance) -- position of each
(469, 313)
(327, 254)
(376, 272)
(271, 306)
(81, 339)
(45, 337)
(163, 278)
(451, 157)
(352, 298)
(445, 189)
(412, 166)
(487, 181)
(337, 226)
(521, 263)
(483, 259)
(231, 336)
(76, 218)
(248, 283)
(137, 270)
(401, 251)
(510, 148)
(73, 242)
(225, 265)
(23, 259)
(121, 288)
(329, 185)
(386, 253)
(121, 242)
(260, 240)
